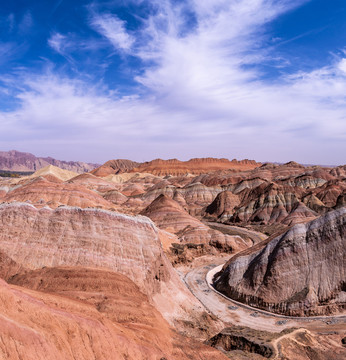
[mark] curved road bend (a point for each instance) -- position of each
(255, 236)
(232, 312)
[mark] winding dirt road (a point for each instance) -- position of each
(232, 312)
(255, 236)
(199, 279)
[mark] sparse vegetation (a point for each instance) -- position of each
(14, 174)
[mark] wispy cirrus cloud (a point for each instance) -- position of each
(72, 43)
(26, 23)
(10, 50)
(207, 72)
(11, 22)
(113, 29)
(59, 43)
(78, 52)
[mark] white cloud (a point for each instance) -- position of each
(112, 28)
(205, 95)
(342, 65)
(58, 42)
(203, 74)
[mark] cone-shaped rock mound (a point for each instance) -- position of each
(299, 273)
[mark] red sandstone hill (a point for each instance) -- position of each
(101, 239)
(170, 216)
(223, 205)
(113, 167)
(194, 166)
(76, 313)
(19, 161)
(193, 197)
(40, 192)
(272, 203)
(92, 182)
(290, 174)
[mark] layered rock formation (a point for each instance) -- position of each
(95, 279)
(314, 203)
(301, 272)
(193, 197)
(97, 238)
(170, 216)
(194, 166)
(143, 178)
(115, 197)
(291, 174)
(330, 191)
(339, 171)
(8, 267)
(113, 167)
(51, 171)
(19, 161)
(273, 196)
(269, 197)
(93, 182)
(222, 207)
(41, 192)
(272, 203)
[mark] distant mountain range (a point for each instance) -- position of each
(174, 167)
(25, 162)
(17, 161)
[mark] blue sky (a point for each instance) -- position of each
(140, 79)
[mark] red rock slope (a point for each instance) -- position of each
(86, 314)
(170, 216)
(41, 192)
(88, 237)
(113, 167)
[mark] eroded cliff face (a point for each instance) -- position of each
(69, 236)
(268, 204)
(301, 272)
(223, 206)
